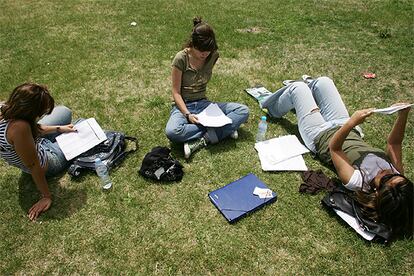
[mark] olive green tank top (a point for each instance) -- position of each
(354, 147)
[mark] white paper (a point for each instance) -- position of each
(88, 135)
(263, 192)
(282, 154)
(354, 224)
(392, 109)
(212, 116)
(280, 149)
(296, 163)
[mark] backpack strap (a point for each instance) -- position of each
(123, 155)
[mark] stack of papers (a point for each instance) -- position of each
(282, 154)
(212, 116)
(88, 134)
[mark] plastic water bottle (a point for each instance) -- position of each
(261, 132)
(102, 172)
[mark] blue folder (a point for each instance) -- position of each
(235, 200)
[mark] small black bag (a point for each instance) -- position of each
(111, 151)
(340, 200)
(159, 165)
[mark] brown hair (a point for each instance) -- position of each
(390, 204)
(28, 102)
(202, 37)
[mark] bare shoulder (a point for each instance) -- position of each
(18, 128)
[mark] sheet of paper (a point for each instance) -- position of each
(212, 116)
(354, 224)
(296, 163)
(280, 149)
(88, 135)
(392, 109)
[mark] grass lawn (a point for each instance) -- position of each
(100, 66)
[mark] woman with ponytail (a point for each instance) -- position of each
(191, 71)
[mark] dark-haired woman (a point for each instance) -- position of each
(325, 126)
(28, 143)
(191, 70)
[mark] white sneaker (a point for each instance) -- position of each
(234, 135)
(194, 145)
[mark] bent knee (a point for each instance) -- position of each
(175, 134)
(62, 110)
(243, 111)
(324, 81)
(299, 85)
(300, 88)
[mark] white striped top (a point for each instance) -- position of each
(8, 153)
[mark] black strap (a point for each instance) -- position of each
(123, 155)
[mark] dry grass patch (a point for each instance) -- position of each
(252, 30)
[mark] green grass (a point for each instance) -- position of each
(96, 63)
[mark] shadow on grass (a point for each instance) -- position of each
(228, 144)
(177, 149)
(65, 201)
(288, 125)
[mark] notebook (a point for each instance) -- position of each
(236, 199)
(88, 134)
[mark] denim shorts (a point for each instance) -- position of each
(56, 161)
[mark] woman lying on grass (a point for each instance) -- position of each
(383, 192)
(21, 142)
(191, 70)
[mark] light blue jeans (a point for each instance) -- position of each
(318, 107)
(179, 130)
(56, 161)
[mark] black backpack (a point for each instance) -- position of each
(341, 200)
(159, 165)
(111, 151)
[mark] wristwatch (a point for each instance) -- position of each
(187, 115)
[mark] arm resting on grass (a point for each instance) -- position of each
(21, 137)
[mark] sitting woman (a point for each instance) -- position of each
(21, 144)
(191, 70)
(383, 192)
